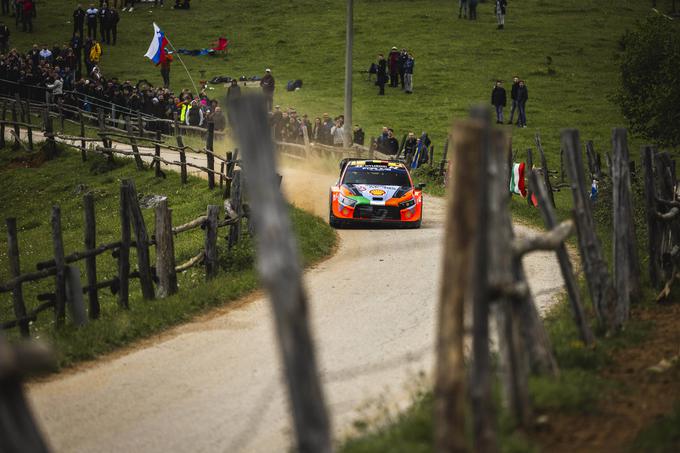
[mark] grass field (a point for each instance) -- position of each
(456, 60)
(29, 194)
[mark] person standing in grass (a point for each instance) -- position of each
(27, 16)
(91, 16)
(113, 19)
(268, 84)
(501, 6)
(5, 7)
(472, 6)
(4, 38)
(408, 74)
(513, 97)
(498, 100)
(104, 31)
(78, 19)
(382, 74)
(393, 63)
(165, 70)
(462, 9)
(522, 98)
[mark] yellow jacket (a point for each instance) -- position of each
(95, 52)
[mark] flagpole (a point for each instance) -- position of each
(185, 66)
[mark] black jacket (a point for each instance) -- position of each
(522, 94)
(79, 16)
(513, 92)
(498, 96)
(392, 146)
(382, 71)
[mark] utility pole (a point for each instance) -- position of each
(348, 74)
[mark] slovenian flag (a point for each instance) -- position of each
(517, 180)
(157, 52)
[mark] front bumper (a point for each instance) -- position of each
(376, 213)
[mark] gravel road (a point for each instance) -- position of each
(215, 384)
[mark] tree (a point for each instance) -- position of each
(649, 94)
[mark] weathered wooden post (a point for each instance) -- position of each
(211, 242)
(182, 159)
(61, 117)
(279, 267)
(626, 278)
(462, 215)
(653, 227)
(2, 124)
(140, 126)
(124, 250)
(442, 164)
(60, 277)
(165, 251)
(50, 144)
(546, 172)
(18, 430)
(529, 167)
(227, 183)
(142, 241)
(15, 271)
(81, 119)
(157, 153)
(550, 221)
(209, 146)
(133, 142)
(594, 266)
(235, 198)
(91, 261)
(17, 130)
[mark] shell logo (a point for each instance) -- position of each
(377, 192)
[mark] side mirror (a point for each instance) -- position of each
(421, 186)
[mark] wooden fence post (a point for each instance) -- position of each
(462, 215)
(209, 146)
(17, 130)
(529, 168)
(2, 125)
(61, 117)
(81, 119)
(211, 265)
(182, 159)
(653, 227)
(546, 171)
(594, 266)
(17, 101)
(15, 271)
(165, 251)
(60, 277)
(140, 126)
(235, 198)
(142, 240)
(133, 142)
(29, 131)
(279, 267)
(550, 221)
(157, 153)
(625, 279)
(124, 250)
(50, 145)
(91, 261)
(442, 163)
(227, 183)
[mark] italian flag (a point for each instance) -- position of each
(517, 180)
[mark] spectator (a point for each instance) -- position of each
(234, 91)
(403, 56)
(218, 118)
(113, 20)
(57, 88)
(165, 70)
(95, 53)
(104, 30)
(462, 9)
(306, 127)
(45, 54)
(472, 6)
(393, 64)
(91, 17)
(382, 74)
(513, 97)
(409, 148)
(194, 114)
(359, 135)
(327, 126)
(4, 37)
(268, 85)
(408, 74)
(338, 132)
(182, 4)
(27, 15)
(501, 5)
(5, 7)
(315, 137)
(522, 98)
(498, 100)
(79, 20)
(392, 144)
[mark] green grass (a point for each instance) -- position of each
(662, 436)
(29, 194)
(456, 60)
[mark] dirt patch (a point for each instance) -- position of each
(33, 160)
(636, 397)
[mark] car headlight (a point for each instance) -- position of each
(407, 203)
(343, 200)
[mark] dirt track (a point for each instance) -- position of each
(215, 384)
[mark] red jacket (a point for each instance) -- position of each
(28, 6)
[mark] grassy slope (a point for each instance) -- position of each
(28, 195)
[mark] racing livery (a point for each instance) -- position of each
(378, 191)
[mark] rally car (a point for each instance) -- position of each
(375, 191)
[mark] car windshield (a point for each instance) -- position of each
(382, 176)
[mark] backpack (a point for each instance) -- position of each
(290, 86)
